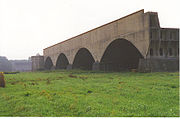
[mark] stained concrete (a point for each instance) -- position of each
(134, 28)
(158, 65)
(139, 31)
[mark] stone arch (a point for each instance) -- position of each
(48, 63)
(120, 55)
(62, 61)
(83, 60)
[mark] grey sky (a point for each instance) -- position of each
(29, 26)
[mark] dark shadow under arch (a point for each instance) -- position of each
(48, 63)
(62, 62)
(83, 60)
(120, 55)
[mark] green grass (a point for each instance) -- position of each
(90, 94)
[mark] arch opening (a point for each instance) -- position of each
(48, 63)
(62, 61)
(83, 60)
(120, 55)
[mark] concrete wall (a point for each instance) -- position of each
(37, 63)
(141, 29)
(134, 28)
(164, 39)
(157, 65)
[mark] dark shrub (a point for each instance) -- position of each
(2, 81)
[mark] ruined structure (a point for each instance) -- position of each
(135, 41)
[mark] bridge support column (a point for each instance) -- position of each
(158, 65)
(53, 68)
(69, 67)
(96, 66)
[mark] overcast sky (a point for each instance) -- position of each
(29, 26)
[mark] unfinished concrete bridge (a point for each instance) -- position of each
(135, 41)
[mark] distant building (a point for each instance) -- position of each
(21, 65)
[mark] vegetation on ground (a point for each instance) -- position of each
(90, 94)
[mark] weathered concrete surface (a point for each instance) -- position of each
(117, 46)
(37, 63)
(134, 28)
(158, 65)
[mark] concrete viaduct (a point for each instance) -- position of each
(122, 44)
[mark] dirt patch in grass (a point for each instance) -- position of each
(15, 82)
(83, 77)
(111, 78)
(48, 81)
(121, 82)
(72, 76)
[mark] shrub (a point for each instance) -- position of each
(2, 81)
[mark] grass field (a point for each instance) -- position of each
(89, 94)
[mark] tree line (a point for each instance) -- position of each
(5, 64)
